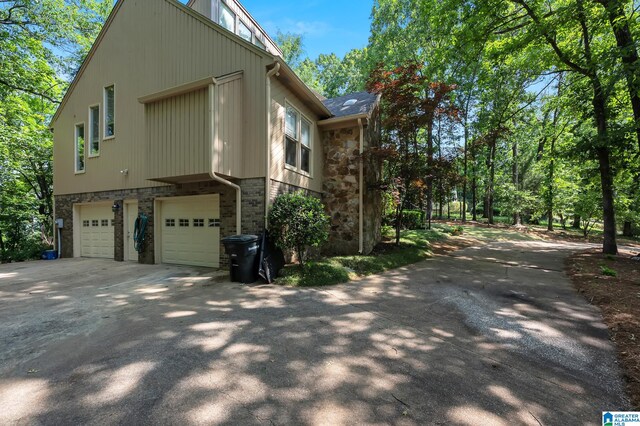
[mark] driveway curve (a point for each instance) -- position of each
(492, 334)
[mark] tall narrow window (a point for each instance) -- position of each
(305, 147)
(109, 112)
(79, 142)
(297, 141)
(291, 130)
(94, 131)
(227, 18)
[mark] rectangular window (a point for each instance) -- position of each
(105, 222)
(184, 222)
(94, 222)
(244, 31)
(198, 223)
(297, 141)
(227, 18)
(214, 223)
(113, 222)
(94, 131)
(109, 112)
(259, 43)
(79, 142)
(85, 223)
(170, 223)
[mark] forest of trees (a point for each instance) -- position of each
(525, 109)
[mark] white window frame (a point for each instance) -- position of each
(298, 139)
(90, 133)
(251, 34)
(75, 148)
(104, 112)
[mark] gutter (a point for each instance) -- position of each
(212, 173)
(267, 176)
(361, 194)
(339, 120)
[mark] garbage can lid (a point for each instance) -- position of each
(243, 238)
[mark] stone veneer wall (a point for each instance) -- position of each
(252, 211)
(372, 178)
(342, 188)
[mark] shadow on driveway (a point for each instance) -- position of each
(487, 335)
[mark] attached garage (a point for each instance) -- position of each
(96, 231)
(190, 230)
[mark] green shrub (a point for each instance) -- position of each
(605, 270)
(453, 230)
(297, 222)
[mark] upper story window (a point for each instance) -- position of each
(109, 112)
(297, 141)
(79, 147)
(94, 131)
(229, 20)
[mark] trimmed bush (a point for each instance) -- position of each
(297, 222)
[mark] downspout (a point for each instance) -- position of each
(212, 173)
(267, 178)
(361, 194)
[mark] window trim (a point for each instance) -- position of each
(298, 140)
(75, 148)
(90, 155)
(104, 113)
(235, 17)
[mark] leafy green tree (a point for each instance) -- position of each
(298, 221)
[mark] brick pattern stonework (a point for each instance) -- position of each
(341, 187)
(252, 204)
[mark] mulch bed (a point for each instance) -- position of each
(619, 299)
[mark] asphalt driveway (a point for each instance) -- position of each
(492, 334)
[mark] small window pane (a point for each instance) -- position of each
(291, 123)
(198, 223)
(85, 223)
(94, 130)
(109, 112)
(214, 223)
(94, 222)
(305, 133)
(169, 223)
(184, 223)
(104, 222)
(305, 160)
(259, 43)
(113, 222)
(227, 18)
(244, 31)
(80, 148)
(291, 152)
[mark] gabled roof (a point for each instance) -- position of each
(351, 104)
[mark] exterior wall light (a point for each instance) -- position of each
(115, 207)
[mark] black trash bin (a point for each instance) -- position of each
(243, 253)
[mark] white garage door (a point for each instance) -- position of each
(191, 230)
(96, 231)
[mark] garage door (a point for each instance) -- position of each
(191, 230)
(96, 231)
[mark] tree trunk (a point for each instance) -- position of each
(492, 177)
(517, 220)
(576, 221)
(627, 229)
(464, 182)
(551, 187)
(628, 54)
(430, 173)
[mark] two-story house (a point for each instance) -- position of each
(189, 115)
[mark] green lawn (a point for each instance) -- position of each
(414, 247)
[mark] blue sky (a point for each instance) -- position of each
(327, 26)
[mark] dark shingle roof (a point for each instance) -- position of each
(364, 103)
